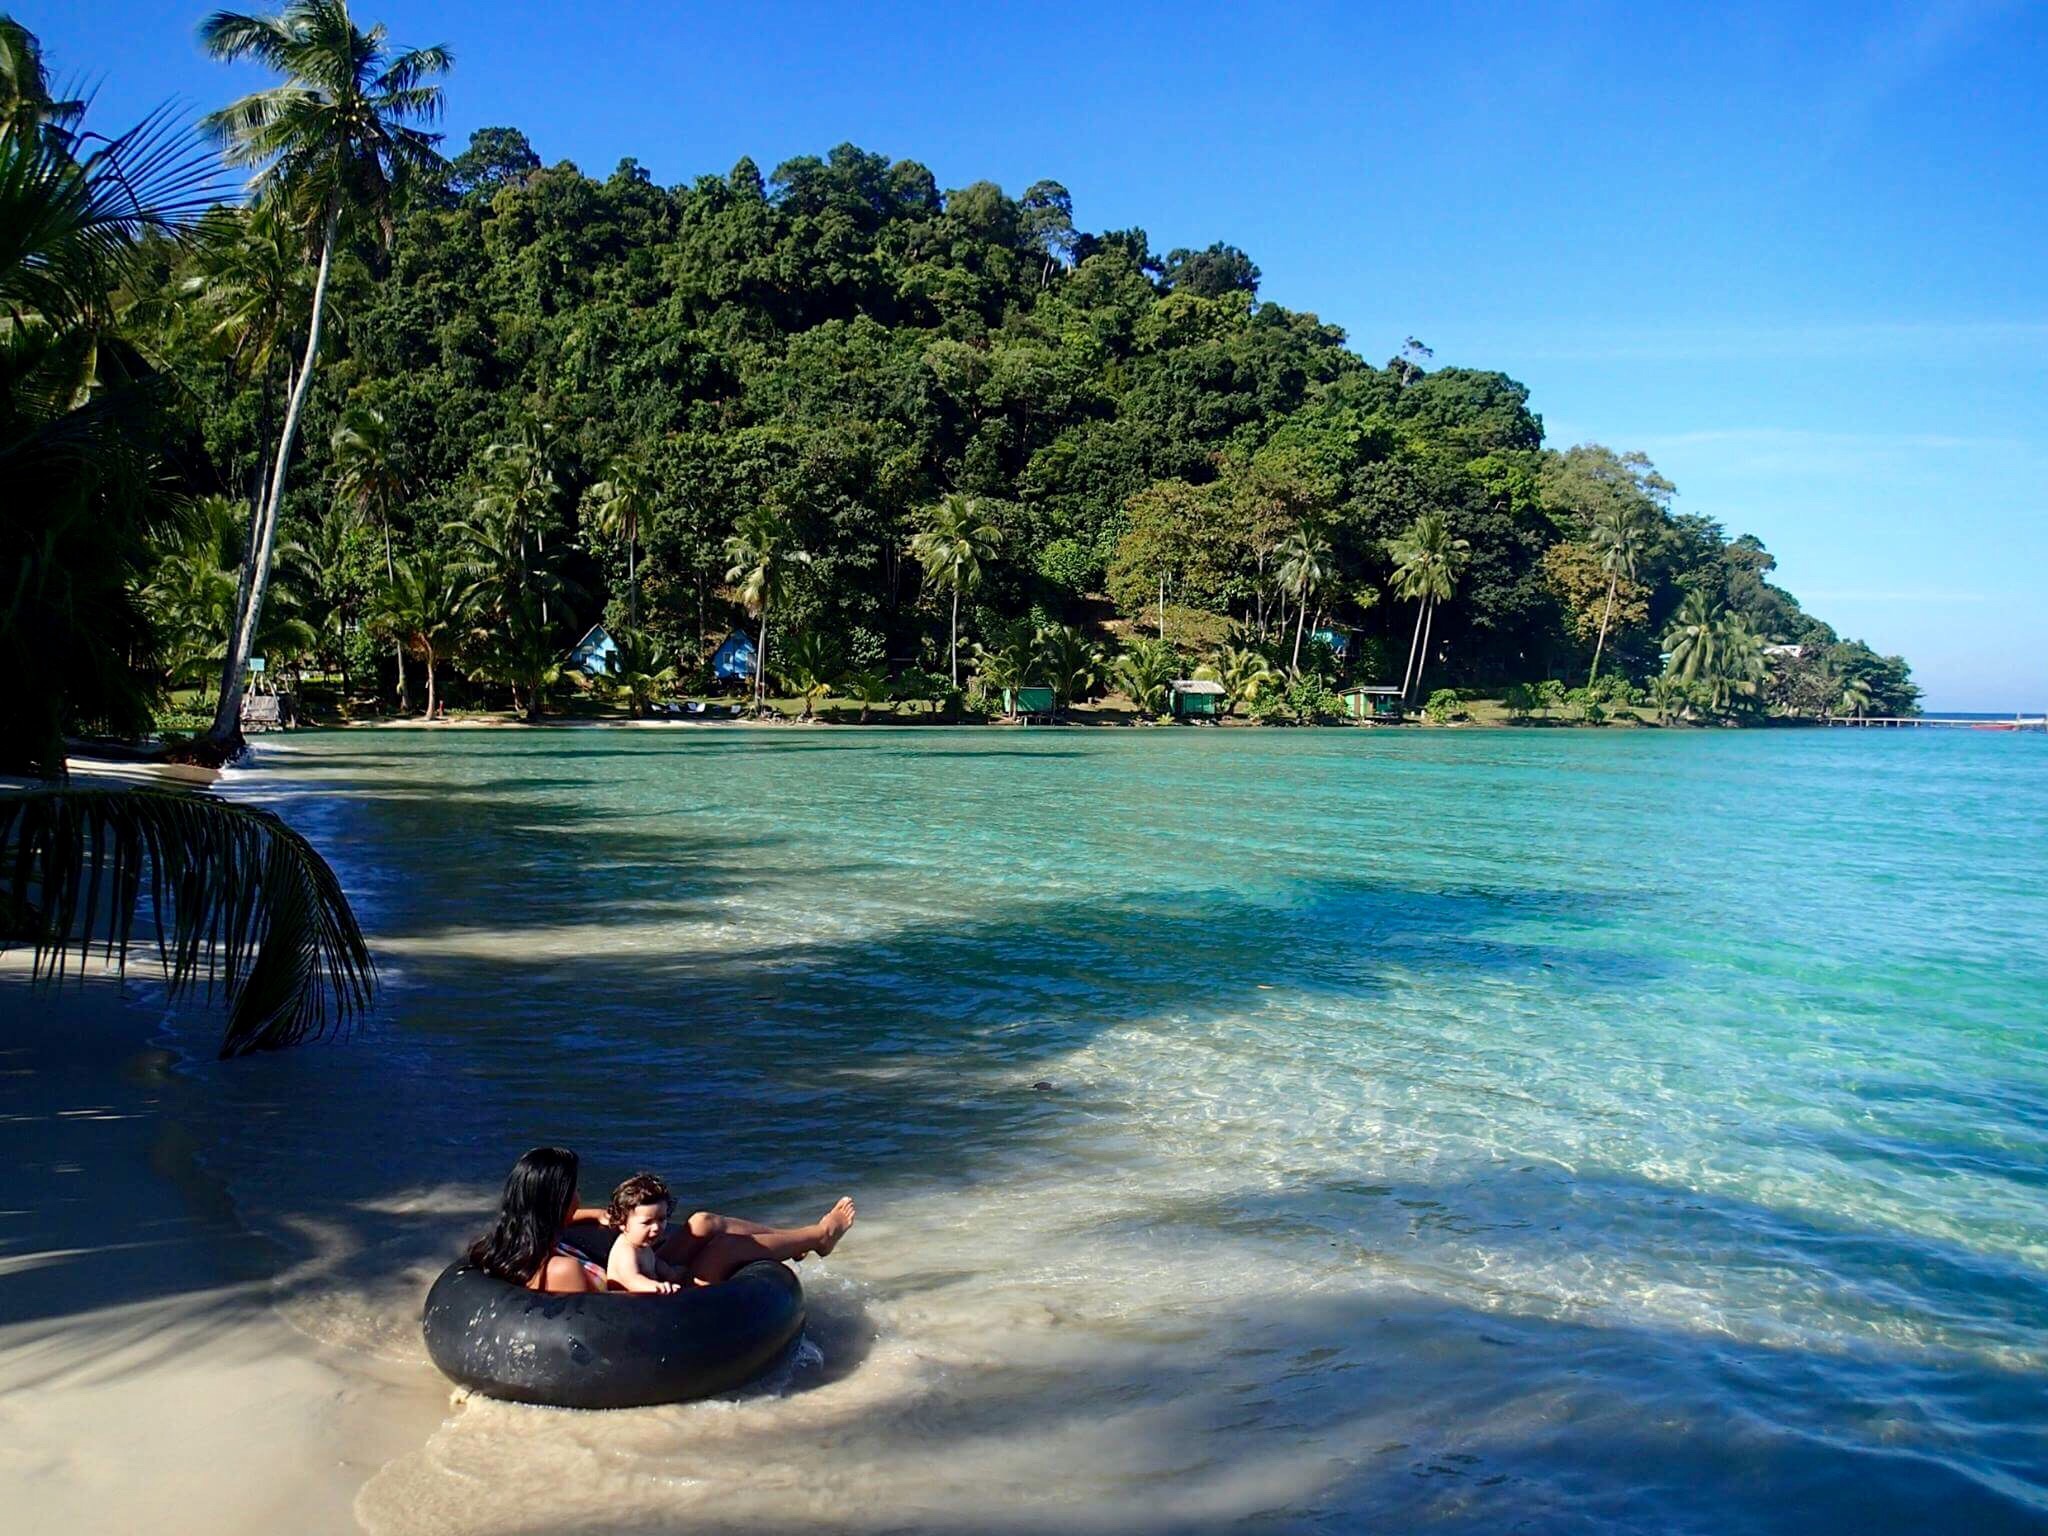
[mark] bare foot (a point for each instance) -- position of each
(832, 1226)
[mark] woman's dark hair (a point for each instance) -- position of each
(530, 1217)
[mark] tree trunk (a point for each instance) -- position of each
(391, 579)
(227, 718)
(1162, 606)
(1422, 661)
(430, 681)
(954, 652)
(1300, 614)
(761, 664)
(1414, 642)
(1606, 610)
(632, 587)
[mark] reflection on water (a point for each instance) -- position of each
(1490, 1129)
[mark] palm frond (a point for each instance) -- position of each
(239, 901)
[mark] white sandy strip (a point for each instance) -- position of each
(147, 1382)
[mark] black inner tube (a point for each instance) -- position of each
(609, 1349)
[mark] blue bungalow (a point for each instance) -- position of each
(734, 661)
(1337, 640)
(592, 655)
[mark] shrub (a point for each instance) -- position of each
(1519, 699)
(1309, 700)
(1444, 705)
(1070, 566)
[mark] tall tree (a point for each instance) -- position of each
(764, 557)
(1621, 536)
(368, 475)
(615, 506)
(1304, 565)
(426, 608)
(332, 145)
(957, 537)
(1428, 560)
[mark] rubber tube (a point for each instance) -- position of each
(609, 1349)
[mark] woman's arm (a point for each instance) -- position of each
(596, 1213)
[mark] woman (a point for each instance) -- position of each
(541, 1198)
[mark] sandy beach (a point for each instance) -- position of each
(147, 1381)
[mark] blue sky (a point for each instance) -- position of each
(1795, 253)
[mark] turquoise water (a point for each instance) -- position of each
(1522, 1129)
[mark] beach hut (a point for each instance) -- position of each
(1028, 701)
(733, 662)
(1197, 699)
(592, 655)
(1379, 701)
(1339, 641)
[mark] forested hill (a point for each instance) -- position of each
(845, 343)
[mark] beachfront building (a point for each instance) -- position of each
(733, 662)
(1377, 701)
(1197, 699)
(1028, 701)
(592, 655)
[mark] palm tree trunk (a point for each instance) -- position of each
(227, 718)
(1606, 610)
(955, 651)
(1300, 614)
(761, 663)
(1422, 660)
(391, 579)
(1414, 643)
(430, 682)
(1162, 605)
(632, 587)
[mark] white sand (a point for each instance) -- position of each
(146, 1380)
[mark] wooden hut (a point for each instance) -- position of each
(1197, 699)
(1028, 701)
(1376, 701)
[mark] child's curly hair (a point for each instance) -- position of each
(641, 1189)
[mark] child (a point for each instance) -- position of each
(639, 1213)
(648, 1258)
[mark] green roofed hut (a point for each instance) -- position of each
(1029, 702)
(1197, 699)
(1378, 701)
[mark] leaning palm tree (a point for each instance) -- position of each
(367, 473)
(615, 505)
(331, 145)
(1428, 560)
(1621, 537)
(763, 560)
(235, 899)
(959, 537)
(1304, 565)
(425, 608)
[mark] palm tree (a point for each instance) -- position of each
(638, 670)
(514, 645)
(27, 108)
(191, 597)
(1012, 661)
(762, 563)
(1145, 672)
(1621, 537)
(1304, 563)
(951, 549)
(425, 607)
(871, 686)
(1694, 639)
(237, 899)
(333, 143)
(1428, 559)
(811, 665)
(366, 472)
(82, 481)
(1852, 697)
(1070, 664)
(1245, 673)
(615, 506)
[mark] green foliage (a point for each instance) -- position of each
(1309, 700)
(810, 666)
(1520, 700)
(1145, 672)
(1070, 664)
(1444, 705)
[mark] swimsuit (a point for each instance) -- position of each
(592, 1271)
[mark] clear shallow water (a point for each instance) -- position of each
(1535, 1130)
